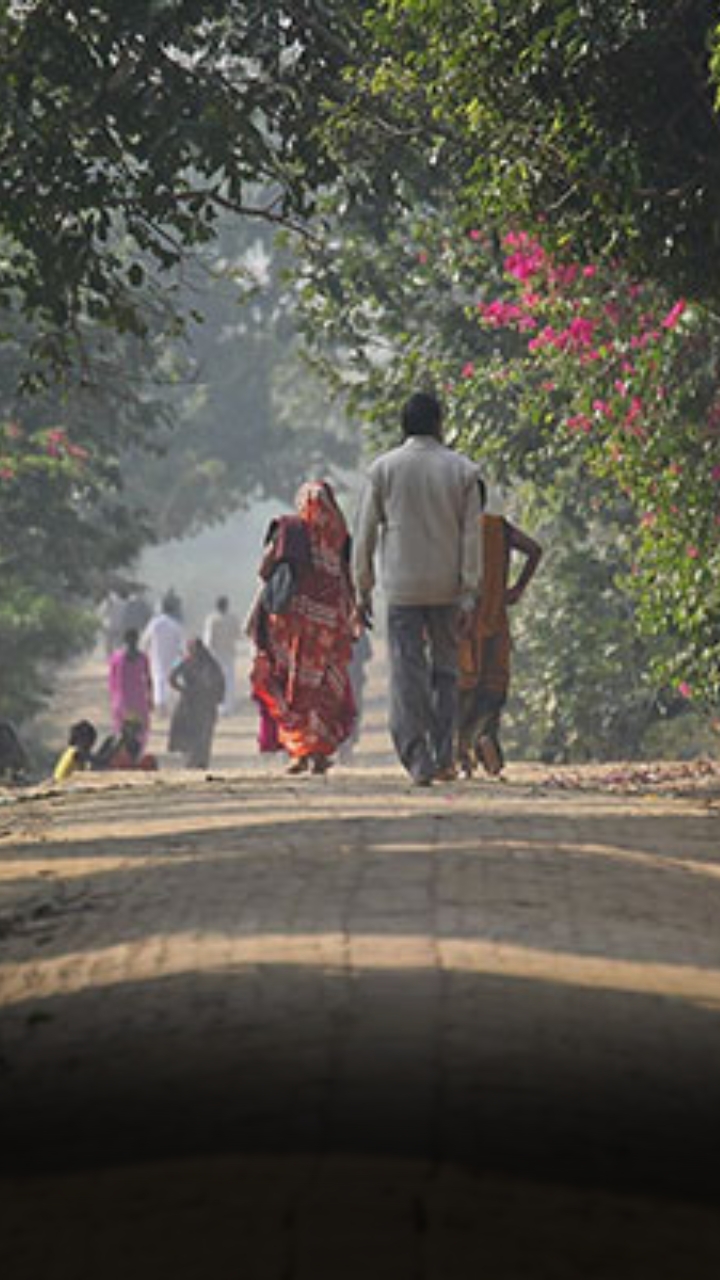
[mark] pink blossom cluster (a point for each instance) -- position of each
(529, 258)
(578, 336)
(502, 315)
(674, 314)
(580, 422)
(57, 444)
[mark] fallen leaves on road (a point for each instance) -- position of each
(680, 778)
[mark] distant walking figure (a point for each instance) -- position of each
(112, 617)
(222, 632)
(421, 500)
(302, 627)
(136, 611)
(484, 654)
(198, 679)
(130, 686)
(163, 640)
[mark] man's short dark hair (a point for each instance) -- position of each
(222, 604)
(422, 415)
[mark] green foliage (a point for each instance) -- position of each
(580, 687)
(248, 417)
(127, 127)
(596, 121)
(128, 130)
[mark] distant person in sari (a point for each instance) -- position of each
(163, 640)
(130, 686)
(484, 654)
(303, 626)
(199, 681)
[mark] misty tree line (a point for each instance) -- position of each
(234, 236)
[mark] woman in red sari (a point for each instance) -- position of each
(303, 634)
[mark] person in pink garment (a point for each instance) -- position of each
(130, 686)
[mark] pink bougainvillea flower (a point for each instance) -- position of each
(648, 519)
(78, 451)
(674, 314)
(602, 408)
(684, 689)
(422, 257)
(529, 260)
(580, 422)
(693, 552)
(715, 474)
(547, 386)
(474, 234)
(516, 239)
(545, 337)
(7, 473)
(468, 370)
(564, 275)
(589, 271)
(581, 330)
(499, 313)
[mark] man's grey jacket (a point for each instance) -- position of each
(421, 502)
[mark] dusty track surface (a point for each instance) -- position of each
(262, 1027)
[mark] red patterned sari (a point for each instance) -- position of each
(300, 672)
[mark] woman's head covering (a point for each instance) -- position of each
(317, 506)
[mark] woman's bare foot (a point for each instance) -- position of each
(299, 765)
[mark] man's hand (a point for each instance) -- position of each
(364, 611)
(464, 623)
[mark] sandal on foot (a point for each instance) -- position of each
(490, 755)
(300, 765)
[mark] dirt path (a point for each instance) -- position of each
(254, 1026)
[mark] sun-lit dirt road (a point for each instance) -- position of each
(255, 1026)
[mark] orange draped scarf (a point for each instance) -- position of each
(484, 656)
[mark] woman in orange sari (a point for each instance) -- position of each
(484, 655)
(304, 629)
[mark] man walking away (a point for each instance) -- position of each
(222, 632)
(421, 501)
(163, 641)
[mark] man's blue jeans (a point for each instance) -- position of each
(422, 644)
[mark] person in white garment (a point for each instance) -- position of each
(163, 640)
(221, 634)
